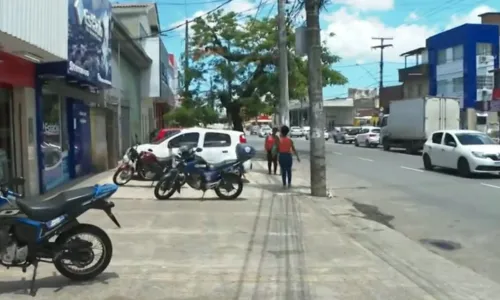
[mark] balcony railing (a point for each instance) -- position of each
(414, 72)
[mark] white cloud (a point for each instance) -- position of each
(367, 5)
(472, 17)
(412, 17)
(353, 36)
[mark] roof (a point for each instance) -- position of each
(153, 16)
(132, 4)
(413, 52)
(455, 131)
(488, 14)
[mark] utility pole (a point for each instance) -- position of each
(315, 89)
(119, 112)
(382, 46)
(186, 59)
(284, 110)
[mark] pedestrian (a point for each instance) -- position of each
(285, 149)
(271, 145)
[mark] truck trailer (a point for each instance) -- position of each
(412, 121)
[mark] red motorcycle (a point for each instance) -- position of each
(127, 168)
(151, 167)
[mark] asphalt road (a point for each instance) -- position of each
(459, 218)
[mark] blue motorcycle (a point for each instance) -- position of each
(48, 231)
(225, 178)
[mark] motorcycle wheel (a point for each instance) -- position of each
(158, 190)
(117, 176)
(66, 269)
(145, 175)
(237, 191)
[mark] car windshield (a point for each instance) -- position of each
(166, 136)
(376, 130)
(352, 131)
(474, 139)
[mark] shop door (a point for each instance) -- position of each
(81, 143)
(6, 136)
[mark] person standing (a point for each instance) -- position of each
(271, 145)
(285, 149)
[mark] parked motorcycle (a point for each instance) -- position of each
(200, 175)
(127, 168)
(151, 167)
(27, 229)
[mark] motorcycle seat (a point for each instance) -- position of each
(222, 164)
(60, 204)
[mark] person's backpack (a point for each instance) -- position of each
(269, 142)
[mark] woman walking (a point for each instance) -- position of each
(271, 146)
(286, 149)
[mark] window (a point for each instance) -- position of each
(364, 130)
(475, 139)
(441, 57)
(484, 82)
(215, 139)
(448, 139)
(458, 85)
(167, 135)
(437, 137)
(484, 49)
(375, 130)
(458, 53)
(441, 87)
(187, 139)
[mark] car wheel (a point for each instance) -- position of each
(335, 140)
(427, 162)
(356, 143)
(385, 145)
(463, 167)
(367, 144)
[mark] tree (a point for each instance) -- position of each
(190, 116)
(241, 56)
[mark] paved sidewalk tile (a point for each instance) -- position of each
(269, 244)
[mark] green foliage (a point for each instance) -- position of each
(241, 56)
(190, 116)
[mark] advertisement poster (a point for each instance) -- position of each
(89, 45)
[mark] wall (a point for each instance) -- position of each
(467, 35)
(37, 23)
(341, 115)
(150, 81)
(165, 92)
(98, 139)
(416, 88)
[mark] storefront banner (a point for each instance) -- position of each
(89, 45)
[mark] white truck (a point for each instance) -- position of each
(411, 121)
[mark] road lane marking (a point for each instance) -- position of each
(338, 153)
(490, 185)
(411, 169)
(365, 159)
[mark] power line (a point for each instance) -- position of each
(382, 46)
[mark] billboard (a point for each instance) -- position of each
(89, 45)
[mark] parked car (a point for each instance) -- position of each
(325, 135)
(164, 133)
(217, 144)
(346, 134)
(305, 131)
(467, 151)
(368, 137)
(265, 131)
(254, 130)
(296, 131)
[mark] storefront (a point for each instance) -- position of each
(67, 93)
(16, 75)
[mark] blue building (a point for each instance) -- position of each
(460, 61)
(65, 91)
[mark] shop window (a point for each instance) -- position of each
(55, 142)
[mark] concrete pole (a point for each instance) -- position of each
(283, 65)
(119, 113)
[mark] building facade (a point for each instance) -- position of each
(460, 64)
(142, 20)
(25, 43)
(70, 104)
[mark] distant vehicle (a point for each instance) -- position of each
(305, 131)
(346, 135)
(325, 135)
(254, 130)
(265, 131)
(467, 151)
(412, 121)
(368, 137)
(296, 131)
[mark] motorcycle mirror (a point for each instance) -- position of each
(199, 149)
(150, 150)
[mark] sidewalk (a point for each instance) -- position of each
(269, 244)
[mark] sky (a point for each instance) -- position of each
(354, 23)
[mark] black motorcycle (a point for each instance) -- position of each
(48, 231)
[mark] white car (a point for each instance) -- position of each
(368, 137)
(305, 131)
(467, 151)
(325, 135)
(265, 131)
(217, 144)
(296, 131)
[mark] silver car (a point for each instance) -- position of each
(347, 135)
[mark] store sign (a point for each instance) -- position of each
(89, 47)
